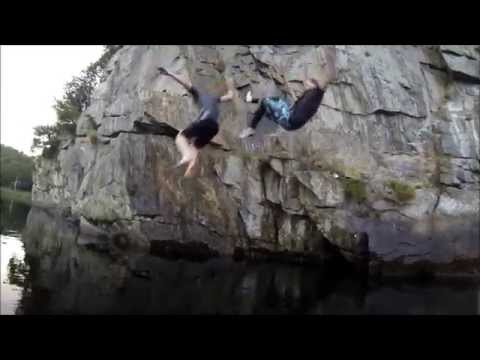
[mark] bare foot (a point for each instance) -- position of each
(249, 97)
(189, 173)
(180, 163)
(246, 133)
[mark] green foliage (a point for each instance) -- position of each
(67, 111)
(23, 197)
(76, 99)
(14, 165)
(403, 192)
(46, 137)
(17, 271)
(355, 190)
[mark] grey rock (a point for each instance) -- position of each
(462, 59)
(457, 202)
(393, 113)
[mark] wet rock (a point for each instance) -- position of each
(193, 251)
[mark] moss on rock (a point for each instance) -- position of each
(403, 192)
(355, 190)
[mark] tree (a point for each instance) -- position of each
(14, 165)
(46, 137)
(76, 99)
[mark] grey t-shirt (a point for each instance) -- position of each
(207, 103)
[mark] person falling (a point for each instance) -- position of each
(296, 116)
(194, 137)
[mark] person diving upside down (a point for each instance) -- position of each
(194, 137)
(296, 116)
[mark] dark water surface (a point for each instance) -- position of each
(71, 279)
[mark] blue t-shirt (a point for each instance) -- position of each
(295, 116)
(278, 110)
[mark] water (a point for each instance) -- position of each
(59, 277)
(13, 269)
(12, 257)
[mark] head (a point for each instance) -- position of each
(121, 241)
(311, 84)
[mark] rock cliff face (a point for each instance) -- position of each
(393, 151)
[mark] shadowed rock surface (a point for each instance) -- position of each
(63, 277)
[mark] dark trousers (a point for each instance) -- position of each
(302, 111)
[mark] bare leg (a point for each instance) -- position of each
(257, 116)
(229, 94)
(187, 150)
(289, 89)
(191, 166)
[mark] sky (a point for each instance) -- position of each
(31, 78)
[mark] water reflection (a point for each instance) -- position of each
(13, 273)
(60, 277)
(150, 285)
(13, 216)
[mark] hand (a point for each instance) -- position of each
(163, 71)
(227, 97)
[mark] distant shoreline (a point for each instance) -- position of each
(24, 197)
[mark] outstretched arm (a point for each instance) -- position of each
(229, 94)
(289, 89)
(291, 93)
(329, 69)
(185, 84)
(227, 97)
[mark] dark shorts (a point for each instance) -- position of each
(201, 132)
(204, 129)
